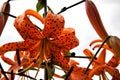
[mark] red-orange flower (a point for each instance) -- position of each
(50, 43)
(100, 66)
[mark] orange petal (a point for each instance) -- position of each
(95, 19)
(23, 45)
(77, 74)
(34, 14)
(73, 62)
(114, 61)
(101, 58)
(26, 28)
(7, 60)
(67, 40)
(96, 70)
(54, 24)
(113, 72)
(58, 58)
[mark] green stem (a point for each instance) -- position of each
(45, 70)
(3, 72)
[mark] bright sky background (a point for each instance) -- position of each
(75, 17)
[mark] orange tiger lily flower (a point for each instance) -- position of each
(95, 19)
(53, 31)
(100, 66)
(114, 42)
(50, 43)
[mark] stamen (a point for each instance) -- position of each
(2, 70)
(68, 74)
(12, 75)
(21, 75)
(18, 57)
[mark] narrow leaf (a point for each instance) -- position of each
(40, 5)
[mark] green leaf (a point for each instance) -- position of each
(40, 5)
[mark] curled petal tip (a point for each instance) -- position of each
(35, 14)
